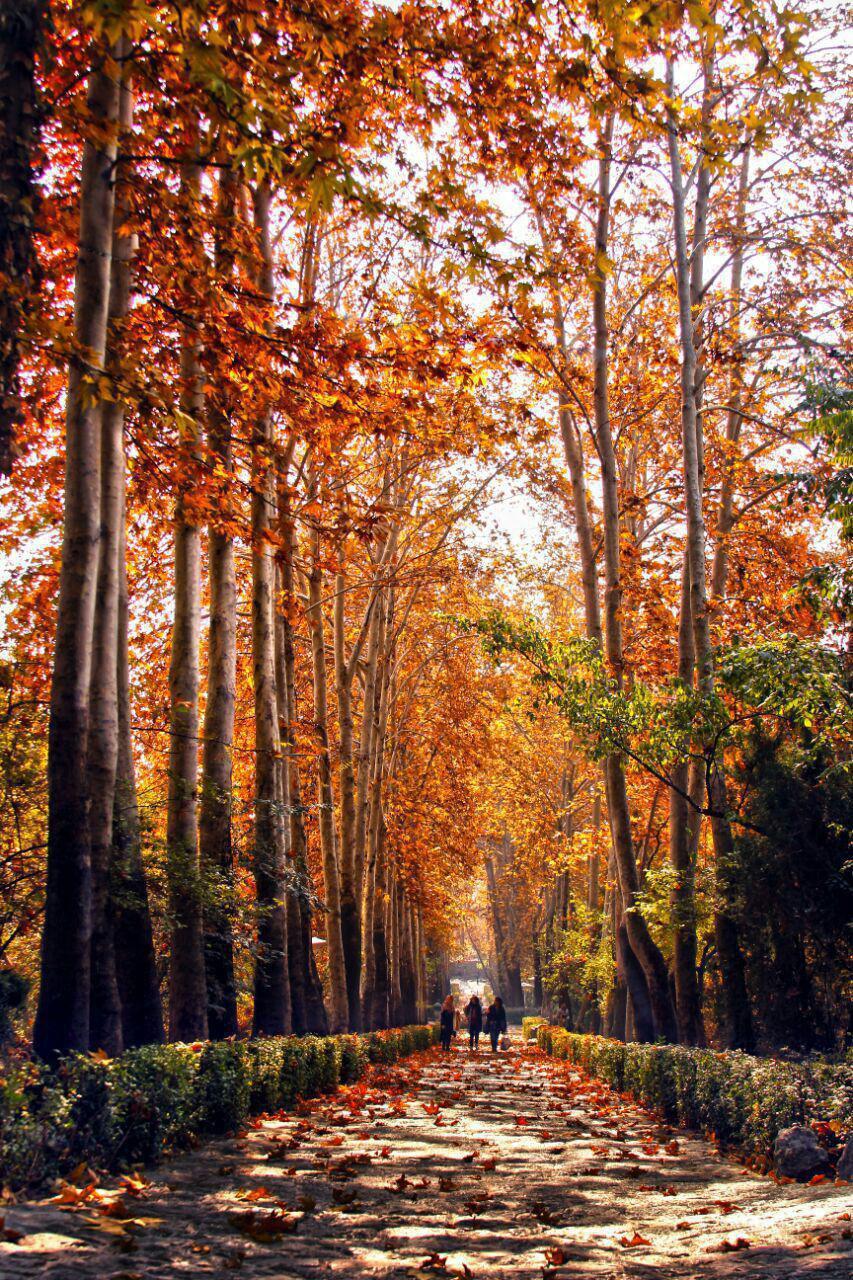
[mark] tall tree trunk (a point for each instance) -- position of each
(736, 1001)
(21, 34)
(187, 986)
(377, 989)
(738, 1016)
(421, 962)
(304, 980)
(105, 1019)
(616, 1009)
(497, 926)
(395, 993)
(216, 855)
(365, 747)
(365, 848)
(62, 1019)
(338, 1002)
(136, 962)
(272, 979)
(652, 969)
(682, 819)
(408, 970)
(381, 992)
(295, 958)
(685, 820)
(641, 942)
(350, 914)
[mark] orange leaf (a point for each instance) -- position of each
(636, 1241)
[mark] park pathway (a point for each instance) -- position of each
(508, 1166)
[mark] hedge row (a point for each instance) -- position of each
(529, 1027)
(129, 1110)
(742, 1100)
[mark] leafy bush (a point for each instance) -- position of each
(113, 1113)
(742, 1100)
(530, 1026)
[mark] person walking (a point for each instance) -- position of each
(447, 1023)
(496, 1022)
(474, 1014)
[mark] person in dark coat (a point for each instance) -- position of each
(496, 1022)
(448, 1023)
(474, 1014)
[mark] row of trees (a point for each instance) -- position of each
(343, 275)
(696, 209)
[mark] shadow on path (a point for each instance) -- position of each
(471, 1165)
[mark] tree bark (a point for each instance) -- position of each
(350, 914)
(641, 942)
(338, 1002)
(376, 971)
(272, 979)
(105, 1016)
(62, 1019)
(682, 855)
(737, 1017)
(304, 981)
(408, 963)
(737, 1013)
(187, 986)
(380, 996)
(216, 854)
(136, 962)
(395, 990)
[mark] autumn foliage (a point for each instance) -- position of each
(423, 526)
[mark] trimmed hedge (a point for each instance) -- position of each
(530, 1026)
(742, 1100)
(132, 1109)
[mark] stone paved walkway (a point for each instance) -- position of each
(508, 1166)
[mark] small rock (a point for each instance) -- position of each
(798, 1154)
(845, 1163)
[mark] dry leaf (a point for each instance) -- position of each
(635, 1242)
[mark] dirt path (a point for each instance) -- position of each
(504, 1167)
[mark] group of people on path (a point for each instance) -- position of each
(452, 1017)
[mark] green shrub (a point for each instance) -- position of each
(529, 1027)
(113, 1113)
(742, 1100)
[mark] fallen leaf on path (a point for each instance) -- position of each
(133, 1184)
(556, 1257)
(635, 1242)
(672, 1148)
(264, 1228)
(729, 1246)
(255, 1193)
(69, 1196)
(434, 1263)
